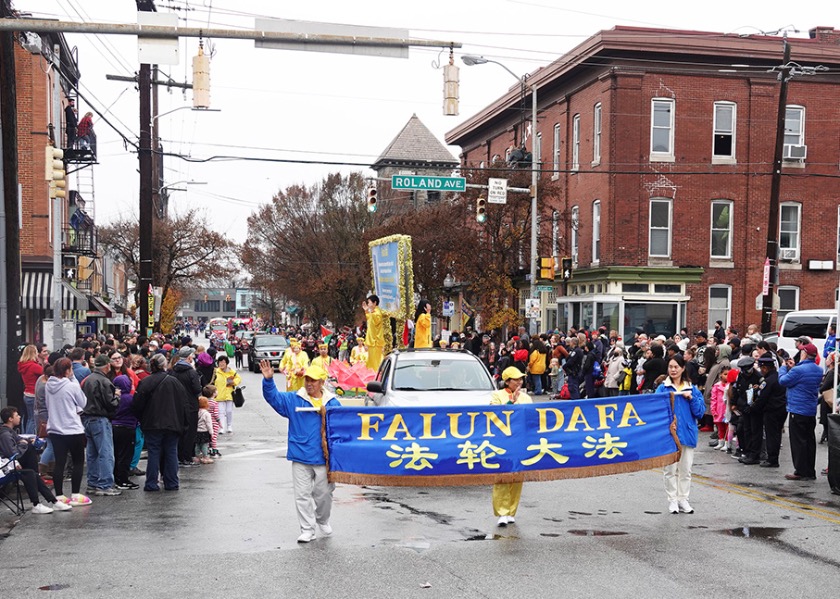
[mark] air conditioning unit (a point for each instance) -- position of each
(795, 152)
(788, 254)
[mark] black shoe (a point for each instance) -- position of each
(714, 437)
(769, 465)
(714, 443)
(127, 486)
(738, 453)
(137, 472)
(747, 461)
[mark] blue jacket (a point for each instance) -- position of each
(803, 387)
(687, 411)
(304, 427)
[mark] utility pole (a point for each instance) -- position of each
(10, 330)
(144, 82)
(775, 185)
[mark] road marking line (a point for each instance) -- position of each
(770, 499)
(251, 452)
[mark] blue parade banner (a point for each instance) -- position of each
(480, 445)
(385, 261)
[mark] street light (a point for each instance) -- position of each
(157, 116)
(472, 60)
(185, 182)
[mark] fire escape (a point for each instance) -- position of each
(79, 243)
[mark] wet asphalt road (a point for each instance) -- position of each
(230, 532)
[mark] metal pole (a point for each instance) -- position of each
(157, 31)
(535, 323)
(146, 209)
(58, 321)
(775, 185)
(4, 289)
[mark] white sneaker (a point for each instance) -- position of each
(60, 506)
(41, 509)
(685, 507)
(674, 507)
(511, 519)
(725, 447)
(719, 445)
(230, 430)
(306, 537)
(503, 521)
(326, 529)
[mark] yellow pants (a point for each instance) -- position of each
(506, 498)
(374, 358)
(293, 383)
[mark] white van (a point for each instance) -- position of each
(813, 323)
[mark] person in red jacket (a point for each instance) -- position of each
(30, 371)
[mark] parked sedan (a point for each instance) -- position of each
(266, 347)
(431, 377)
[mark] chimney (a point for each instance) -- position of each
(825, 35)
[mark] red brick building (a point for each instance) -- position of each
(662, 143)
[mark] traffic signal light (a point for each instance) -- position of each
(566, 268)
(371, 199)
(547, 268)
(54, 171)
(481, 210)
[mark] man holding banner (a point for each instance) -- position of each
(313, 492)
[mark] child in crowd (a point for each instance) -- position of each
(554, 375)
(718, 406)
(209, 392)
(203, 433)
(731, 415)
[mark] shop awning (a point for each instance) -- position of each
(99, 308)
(36, 293)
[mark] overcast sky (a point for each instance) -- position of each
(294, 105)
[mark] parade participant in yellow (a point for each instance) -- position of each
(375, 336)
(226, 379)
(423, 324)
(293, 365)
(506, 495)
(322, 360)
(359, 353)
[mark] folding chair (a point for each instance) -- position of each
(10, 494)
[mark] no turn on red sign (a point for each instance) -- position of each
(497, 191)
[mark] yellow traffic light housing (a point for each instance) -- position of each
(547, 268)
(371, 199)
(54, 172)
(481, 210)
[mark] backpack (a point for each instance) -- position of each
(596, 370)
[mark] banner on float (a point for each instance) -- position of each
(480, 445)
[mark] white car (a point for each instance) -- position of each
(431, 377)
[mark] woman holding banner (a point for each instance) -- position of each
(506, 495)
(689, 407)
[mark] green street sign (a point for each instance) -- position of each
(433, 183)
(548, 288)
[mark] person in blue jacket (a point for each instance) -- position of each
(802, 381)
(689, 407)
(313, 493)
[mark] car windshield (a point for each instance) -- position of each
(270, 341)
(803, 324)
(438, 375)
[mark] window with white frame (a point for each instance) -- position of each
(574, 233)
(576, 142)
(721, 246)
(596, 231)
(788, 301)
(789, 230)
(555, 233)
(596, 134)
(660, 228)
(555, 157)
(795, 125)
(720, 304)
(662, 129)
(723, 140)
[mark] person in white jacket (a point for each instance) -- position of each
(65, 402)
(615, 372)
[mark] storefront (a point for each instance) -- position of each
(36, 294)
(627, 299)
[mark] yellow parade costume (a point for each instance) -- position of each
(322, 362)
(506, 495)
(358, 354)
(293, 365)
(423, 331)
(375, 337)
